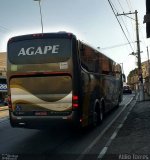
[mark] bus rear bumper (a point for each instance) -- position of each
(38, 122)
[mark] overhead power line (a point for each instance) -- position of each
(110, 3)
(115, 46)
(130, 9)
(123, 20)
(130, 4)
(120, 5)
(3, 29)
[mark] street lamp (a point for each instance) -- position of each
(40, 13)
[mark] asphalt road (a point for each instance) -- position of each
(61, 142)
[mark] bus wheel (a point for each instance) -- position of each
(12, 123)
(98, 115)
(101, 117)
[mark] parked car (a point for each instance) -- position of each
(127, 89)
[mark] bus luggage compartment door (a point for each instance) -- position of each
(50, 95)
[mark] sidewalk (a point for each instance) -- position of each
(133, 139)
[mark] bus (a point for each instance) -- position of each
(55, 77)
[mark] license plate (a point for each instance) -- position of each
(43, 113)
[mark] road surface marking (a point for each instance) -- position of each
(104, 150)
(101, 154)
(102, 133)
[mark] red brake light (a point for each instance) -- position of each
(75, 98)
(75, 101)
(75, 105)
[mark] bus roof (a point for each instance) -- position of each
(60, 34)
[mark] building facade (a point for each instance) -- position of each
(3, 61)
(133, 79)
(3, 80)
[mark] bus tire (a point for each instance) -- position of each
(101, 114)
(95, 118)
(98, 114)
(12, 123)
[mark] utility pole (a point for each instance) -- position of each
(148, 59)
(138, 49)
(141, 88)
(148, 64)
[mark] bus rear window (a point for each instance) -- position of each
(38, 51)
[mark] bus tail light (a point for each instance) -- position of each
(75, 101)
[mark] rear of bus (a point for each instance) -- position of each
(42, 80)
